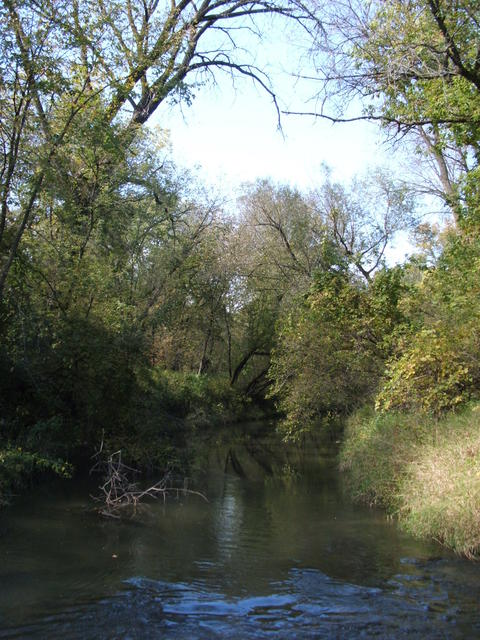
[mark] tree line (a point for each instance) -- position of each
(130, 300)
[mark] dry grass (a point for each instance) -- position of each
(441, 493)
(376, 452)
(426, 472)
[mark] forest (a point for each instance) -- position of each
(135, 309)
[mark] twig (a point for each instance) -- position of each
(119, 491)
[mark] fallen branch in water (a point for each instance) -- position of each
(119, 492)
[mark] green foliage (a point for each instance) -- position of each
(430, 375)
(414, 67)
(129, 306)
(332, 348)
(17, 467)
(419, 89)
(435, 367)
(199, 399)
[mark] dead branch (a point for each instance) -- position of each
(120, 491)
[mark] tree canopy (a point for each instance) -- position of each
(413, 67)
(132, 304)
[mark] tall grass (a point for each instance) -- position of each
(424, 471)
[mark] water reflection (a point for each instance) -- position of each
(228, 520)
(277, 551)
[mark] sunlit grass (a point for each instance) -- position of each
(441, 493)
(424, 471)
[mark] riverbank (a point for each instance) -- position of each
(18, 468)
(166, 411)
(277, 549)
(423, 471)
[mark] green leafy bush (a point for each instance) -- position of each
(18, 466)
(436, 367)
(431, 375)
(332, 348)
(198, 398)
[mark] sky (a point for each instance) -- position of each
(229, 135)
(232, 131)
(230, 138)
(234, 138)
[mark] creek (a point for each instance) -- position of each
(278, 552)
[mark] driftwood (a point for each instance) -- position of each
(120, 492)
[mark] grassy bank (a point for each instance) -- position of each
(423, 471)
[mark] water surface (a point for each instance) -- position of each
(278, 551)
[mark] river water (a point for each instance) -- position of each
(277, 552)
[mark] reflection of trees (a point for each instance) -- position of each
(232, 460)
(228, 519)
(256, 460)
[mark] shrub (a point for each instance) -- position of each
(197, 398)
(436, 367)
(18, 466)
(432, 374)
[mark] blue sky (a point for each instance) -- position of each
(234, 138)
(231, 131)
(230, 135)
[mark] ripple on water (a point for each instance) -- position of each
(309, 604)
(261, 560)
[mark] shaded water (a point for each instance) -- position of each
(277, 552)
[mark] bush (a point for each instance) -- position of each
(332, 348)
(17, 467)
(432, 374)
(435, 367)
(199, 399)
